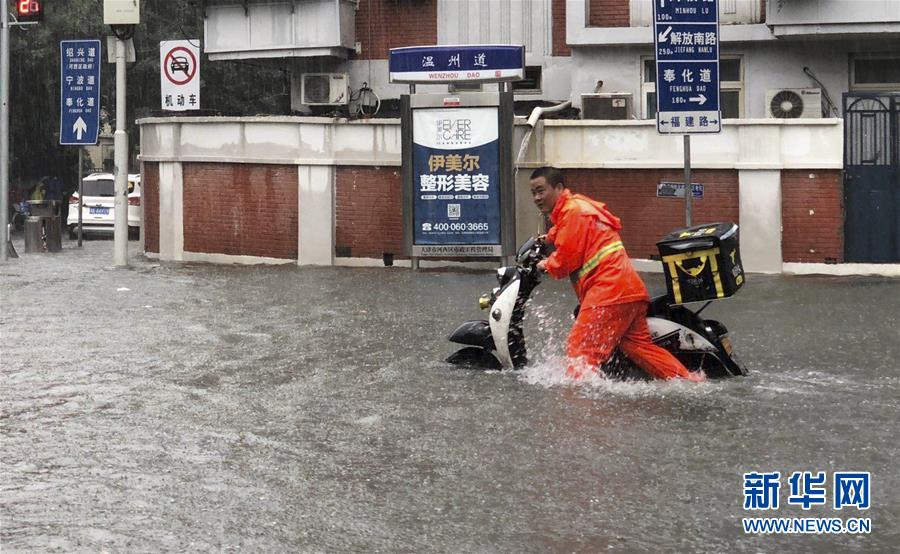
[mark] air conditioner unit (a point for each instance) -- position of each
(324, 89)
(794, 103)
(606, 105)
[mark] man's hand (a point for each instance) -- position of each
(542, 266)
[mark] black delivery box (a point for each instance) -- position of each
(702, 262)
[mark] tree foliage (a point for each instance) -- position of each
(226, 87)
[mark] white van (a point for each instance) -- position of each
(98, 212)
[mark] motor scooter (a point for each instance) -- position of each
(499, 342)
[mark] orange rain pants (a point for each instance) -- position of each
(599, 330)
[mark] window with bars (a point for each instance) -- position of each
(875, 72)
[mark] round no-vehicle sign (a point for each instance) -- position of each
(179, 63)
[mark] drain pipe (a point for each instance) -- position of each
(539, 112)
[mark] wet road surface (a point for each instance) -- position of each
(171, 407)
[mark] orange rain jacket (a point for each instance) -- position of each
(590, 252)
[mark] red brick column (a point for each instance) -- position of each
(368, 212)
(558, 29)
(385, 24)
(812, 215)
(241, 209)
(150, 203)
(609, 13)
(631, 195)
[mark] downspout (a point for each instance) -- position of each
(532, 121)
(539, 112)
(536, 114)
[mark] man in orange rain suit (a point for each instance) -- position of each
(613, 297)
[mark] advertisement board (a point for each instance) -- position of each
(457, 175)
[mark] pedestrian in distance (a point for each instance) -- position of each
(613, 299)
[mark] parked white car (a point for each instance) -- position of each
(98, 213)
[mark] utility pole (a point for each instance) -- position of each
(28, 13)
(120, 144)
(122, 16)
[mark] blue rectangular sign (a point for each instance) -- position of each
(448, 64)
(668, 189)
(79, 120)
(456, 180)
(686, 40)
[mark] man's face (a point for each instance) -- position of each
(544, 194)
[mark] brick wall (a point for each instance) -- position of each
(241, 209)
(631, 195)
(368, 212)
(385, 24)
(558, 29)
(150, 202)
(812, 216)
(609, 13)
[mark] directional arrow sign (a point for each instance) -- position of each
(80, 127)
(686, 36)
(701, 99)
(663, 36)
(79, 120)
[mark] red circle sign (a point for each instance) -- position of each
(185, 64)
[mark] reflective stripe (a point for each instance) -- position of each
(597, 258)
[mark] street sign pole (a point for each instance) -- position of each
(120, 144)
(4, 130)
(688, 190)
(80, 193)
(686, 41)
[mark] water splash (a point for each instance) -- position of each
(522, 148)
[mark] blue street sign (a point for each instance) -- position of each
(686, 37)
(79, 112)
(668, 189)
(448, 64)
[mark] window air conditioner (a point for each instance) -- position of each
(324, 89)
(794, 103)
(606, 105)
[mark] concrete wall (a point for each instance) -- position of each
(337, 187)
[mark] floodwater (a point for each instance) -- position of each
(190, 407)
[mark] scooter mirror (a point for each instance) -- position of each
(525, 248)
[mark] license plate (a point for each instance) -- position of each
(99, 211)
(726, 344)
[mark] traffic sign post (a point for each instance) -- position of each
(79, 120)
(179, 68)
(686, 40)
